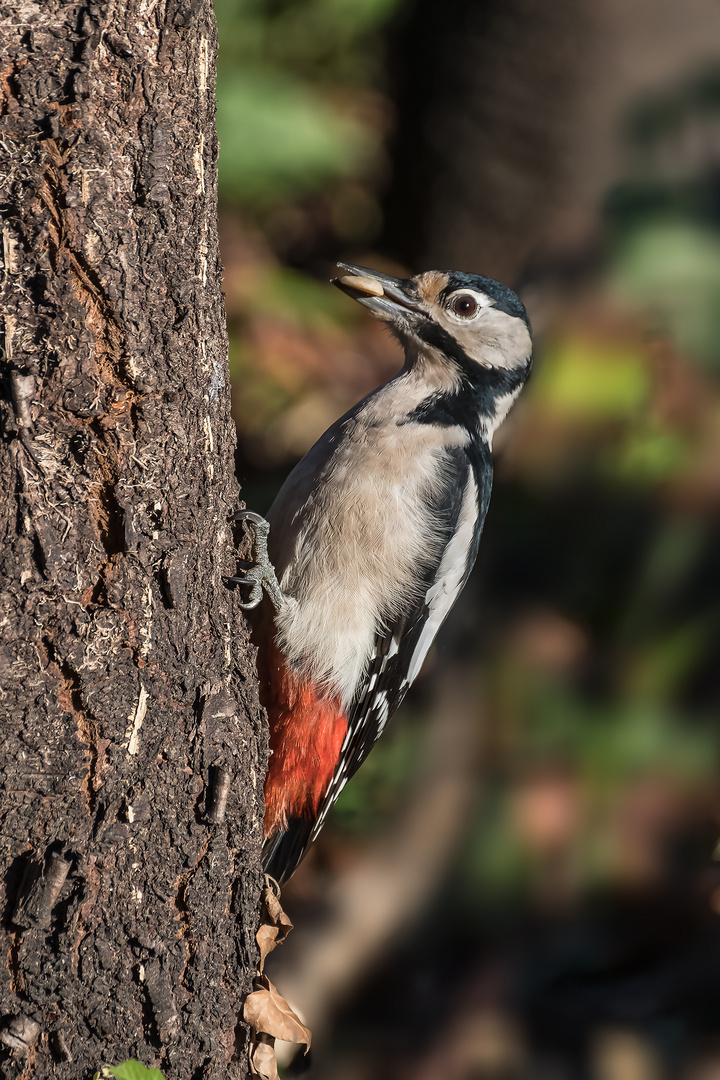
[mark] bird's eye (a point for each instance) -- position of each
(465, 305)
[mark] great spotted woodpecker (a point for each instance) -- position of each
(373, 535)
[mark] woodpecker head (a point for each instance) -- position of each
(470, 333)
(468, 318)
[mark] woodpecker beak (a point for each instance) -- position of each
(395, 300)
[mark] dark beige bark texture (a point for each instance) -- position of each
(132, 746)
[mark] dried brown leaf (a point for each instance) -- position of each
(268, 1011)
(263, 1062)
(266, 938)
(274, 923)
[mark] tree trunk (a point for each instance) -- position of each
(130, 750)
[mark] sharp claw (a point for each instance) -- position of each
(261, 577)
(256, 596)
(256, 593)
(250, 515)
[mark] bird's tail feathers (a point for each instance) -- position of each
(283, 852)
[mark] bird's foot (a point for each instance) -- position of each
(260, 575)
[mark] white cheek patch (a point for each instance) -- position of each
(494, 339)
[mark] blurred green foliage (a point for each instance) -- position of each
(585, 379)
(289, 296)
(380, 787)
(607, 751)
(281, 140)
(665, 218)
(292, 110)
(672, 268)
(325, 41)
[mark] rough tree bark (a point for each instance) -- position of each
(128, 699)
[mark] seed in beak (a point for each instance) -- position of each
(363, 284)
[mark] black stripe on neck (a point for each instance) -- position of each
(473, 400)
(479, 386)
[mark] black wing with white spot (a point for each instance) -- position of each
(399, 651)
